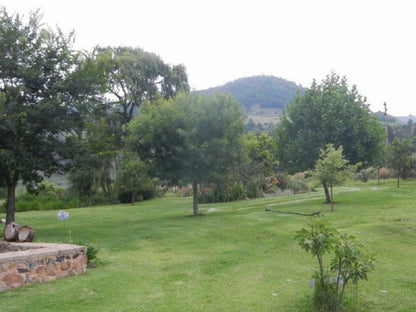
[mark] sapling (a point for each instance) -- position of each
(350, 262)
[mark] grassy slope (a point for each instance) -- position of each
(240, 258)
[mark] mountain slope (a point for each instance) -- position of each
(260, 91)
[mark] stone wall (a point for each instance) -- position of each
(40, 263)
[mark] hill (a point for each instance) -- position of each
(405, 119)
(260, 91)
(263, 97)
(392, 120)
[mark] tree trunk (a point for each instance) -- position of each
(10, 232)
(398, 179)
(26, 234)
(327, 196)
(11, 199)
(195, 198)
(378, 175)
(133, 198)
(332, 198)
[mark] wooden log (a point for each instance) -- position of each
(26, 234)
(10, 232)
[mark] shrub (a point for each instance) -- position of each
(366, 174)
(49, 197)
(385, 173)
(92, 251)
(350, 263)
(283, 179)
(297, 183)
(126, 197)
(218, 194)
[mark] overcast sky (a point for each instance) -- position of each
(371, 42)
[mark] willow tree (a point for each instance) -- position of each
(135, 75)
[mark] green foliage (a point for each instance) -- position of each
(298, 183)
(401, 158)
(39, 100)
(331, 168)
(92, 250)
(364, 175)
(132, 181)
(259, 164)
(134, 76)
(328, 113)
(218, 194)
(92, 159)
(350, 263)
(190, 139)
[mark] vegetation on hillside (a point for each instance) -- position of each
(261, 91)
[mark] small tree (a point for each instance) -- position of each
(400, 157)
(331, 168)
(132, 177)
(350, 262)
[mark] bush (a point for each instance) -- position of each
(92, 251)
(350, 263)
(49, 197)
(126, 197)
(366, 174)
(386, 173)
(297, 183)
(283, 179)
(219, 194)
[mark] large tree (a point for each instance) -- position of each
(134, 76)
(329, 112)
(129, 77)
(40, 99)
(190, 139)
(259, 163)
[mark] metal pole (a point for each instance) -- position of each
(385, 123)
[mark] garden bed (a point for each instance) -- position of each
(26, 263)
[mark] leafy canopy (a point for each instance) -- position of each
(190, 138)
(134, 76)
(329, 112)
(39, 99)
(331, 168)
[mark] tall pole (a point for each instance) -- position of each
(385, 123)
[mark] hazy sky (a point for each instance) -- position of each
(371, 42)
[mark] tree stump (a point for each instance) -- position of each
(26, 234)
(10, 232)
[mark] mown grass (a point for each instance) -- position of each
(237, 257)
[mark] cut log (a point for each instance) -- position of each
(11, 231)
(26, 234)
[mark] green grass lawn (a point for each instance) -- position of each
(237, 257)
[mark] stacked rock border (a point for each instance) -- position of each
(40, 262)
